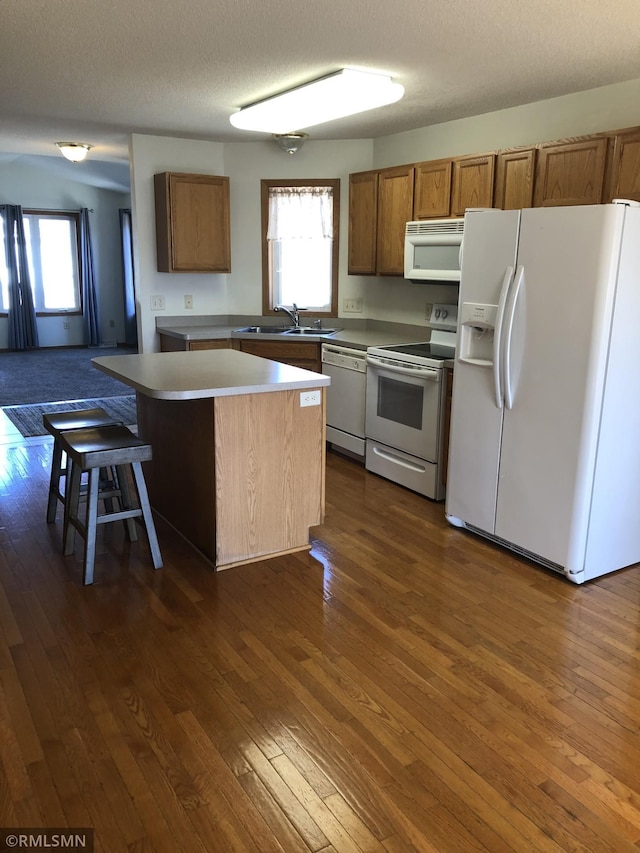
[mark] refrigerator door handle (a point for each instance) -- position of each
(497, 336)
(508, 332)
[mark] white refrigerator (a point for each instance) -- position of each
(544, 452)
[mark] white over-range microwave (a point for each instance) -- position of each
(433, 250)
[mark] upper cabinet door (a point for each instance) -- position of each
(395, 209)
(625, 166)
(472, 183)
(514, 179)
(432, 197)
(192, 223)
(570, 172)
(363, 220)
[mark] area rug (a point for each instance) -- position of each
(28, 419)
(57, 374)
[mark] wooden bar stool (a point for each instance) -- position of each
(115, 448)
(55, 423)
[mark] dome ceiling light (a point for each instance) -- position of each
(74, 151)
(290, 142)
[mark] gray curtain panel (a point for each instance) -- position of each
(23, 331)
(90, 308)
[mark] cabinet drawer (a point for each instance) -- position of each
(305, 354)
(212, 344)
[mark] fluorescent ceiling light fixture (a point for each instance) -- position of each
(343, 93)
(74, 151)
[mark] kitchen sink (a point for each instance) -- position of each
(307, 330)
(265, 330)
(286, 330)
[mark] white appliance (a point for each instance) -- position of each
(347, 368)
(433, 250)
(544, 453)
(405, 412)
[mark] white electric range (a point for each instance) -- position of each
(405, 404)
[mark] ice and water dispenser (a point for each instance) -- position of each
(477, 329)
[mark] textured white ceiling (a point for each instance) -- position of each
(97, 71)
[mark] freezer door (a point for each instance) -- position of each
(614, 533)
(490, 244)
(560, 347)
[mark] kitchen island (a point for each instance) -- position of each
(238, 448)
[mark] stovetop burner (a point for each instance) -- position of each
(423, 350)
(430, 353)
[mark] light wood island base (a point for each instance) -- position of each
(240, 477)
(238, 448)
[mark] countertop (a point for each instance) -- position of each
(356, 338)
(206, 373)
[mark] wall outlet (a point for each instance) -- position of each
(309, 398)
(157, 303)
(428, 310)
(188, 301)
(65, 324)
(112, 324)
(352, 306)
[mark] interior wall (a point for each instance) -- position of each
(250, 162)
(605, 108)
(32, 187)
(150, 155)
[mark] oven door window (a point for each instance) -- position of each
(404, 412)
(400, 402)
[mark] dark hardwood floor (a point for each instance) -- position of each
(403, 686)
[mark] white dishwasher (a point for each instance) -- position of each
(347, 368)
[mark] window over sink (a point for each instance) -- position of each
(300, 228)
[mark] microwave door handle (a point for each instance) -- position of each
(460, 253)
(497, 337)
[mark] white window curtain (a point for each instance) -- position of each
(300, 240)
(300, 213)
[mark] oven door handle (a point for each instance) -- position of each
(428, 373)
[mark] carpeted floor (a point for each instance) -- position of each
(60, 373)
(28, 419)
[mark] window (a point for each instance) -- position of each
(300, 226)
(52, 256)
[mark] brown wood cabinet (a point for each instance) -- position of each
(305, 354)
(170, 344)
(624, 166)
(432, 192)
(514, 179)
(380, 203)
(192, 223)
(472, 183)
(395, 209)
(584, 170)
(570, 172)
(363, 221)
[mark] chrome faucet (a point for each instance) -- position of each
(292, 313)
